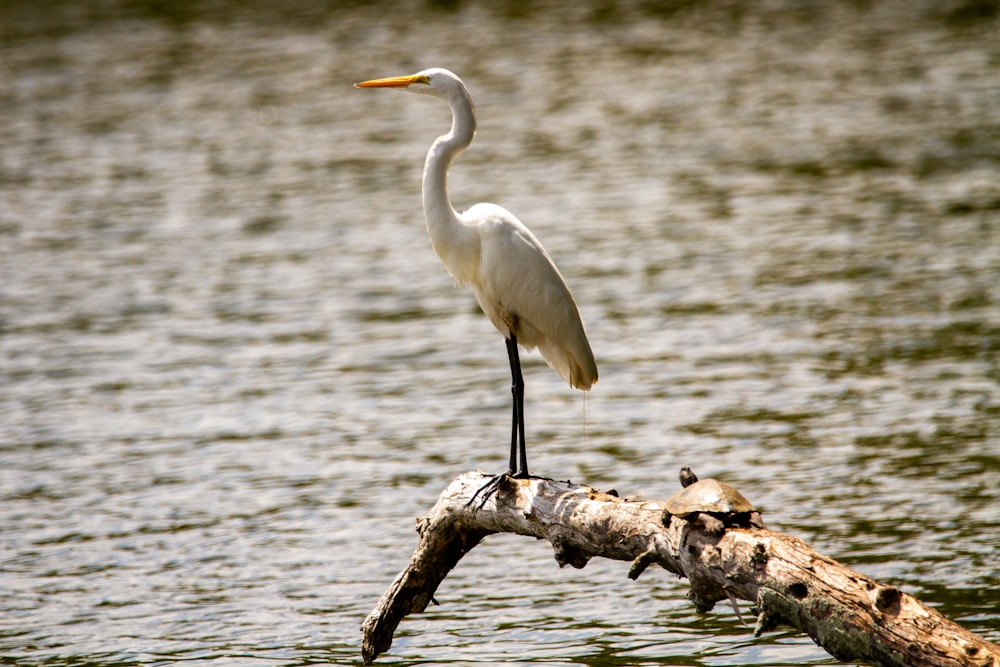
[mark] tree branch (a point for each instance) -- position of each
(854, 618)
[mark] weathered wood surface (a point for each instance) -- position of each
(853, 617)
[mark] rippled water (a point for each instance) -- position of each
(233, 370)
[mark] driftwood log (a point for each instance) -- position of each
(851, 616)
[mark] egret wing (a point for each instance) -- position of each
(521, 291)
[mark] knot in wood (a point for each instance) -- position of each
(567, 554)
(702, 604)
(888, 599)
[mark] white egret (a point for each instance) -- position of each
(514, 280)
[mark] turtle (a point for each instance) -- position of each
(712, 504)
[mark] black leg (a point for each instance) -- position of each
(512, 467)
(518, 451)
(517, 447)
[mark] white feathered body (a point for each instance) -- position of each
(522, 292)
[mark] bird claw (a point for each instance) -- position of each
(487, 490)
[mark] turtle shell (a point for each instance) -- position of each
(708, 495)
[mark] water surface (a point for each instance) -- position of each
(233, 370)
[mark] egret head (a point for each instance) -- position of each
(435, 81)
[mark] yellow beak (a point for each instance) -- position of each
(393, 82)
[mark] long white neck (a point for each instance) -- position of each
(455, 243)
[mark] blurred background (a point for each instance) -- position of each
(233, 371)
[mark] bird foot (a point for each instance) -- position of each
(490, 488)
(487, 490)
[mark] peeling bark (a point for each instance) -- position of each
(853, 617)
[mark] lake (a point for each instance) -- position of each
(233, 371)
